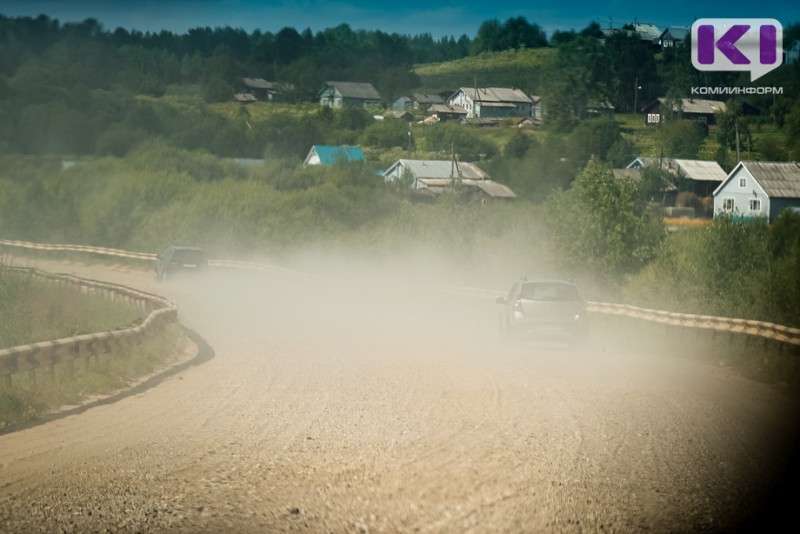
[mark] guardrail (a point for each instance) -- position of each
(79, 248)
(47, 354)
(782, 334)
(771, 331)
(149, 257)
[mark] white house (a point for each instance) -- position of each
(493, 102)
(758, 189)
(432, 177)
(344, 94)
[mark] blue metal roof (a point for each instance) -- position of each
(328, 155)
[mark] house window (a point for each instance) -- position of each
(653, 118)
(727, 204)
(755, 205)
(742, 182)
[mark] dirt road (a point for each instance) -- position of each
(350, 407)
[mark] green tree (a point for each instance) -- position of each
(680, 138)
(594, 137)
(578, 77)
(388, 133)
(468, 145)
(604, 226)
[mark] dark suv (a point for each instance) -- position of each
(174, 259)
(542, 306)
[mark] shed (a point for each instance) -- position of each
(445, 113)
(258, 89)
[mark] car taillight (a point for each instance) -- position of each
(518, 305)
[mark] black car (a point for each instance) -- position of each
(543, 306)
(174, 259)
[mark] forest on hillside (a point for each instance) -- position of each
(80, 89)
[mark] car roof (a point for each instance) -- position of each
(525, 280)
(181, 247)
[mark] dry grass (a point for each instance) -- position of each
(687, 224)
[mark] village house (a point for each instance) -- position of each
(673, 36)
(330, 155)
(345, 94)
(702, 176)
(260, 90)
(690, 108)
(492, 102)
(433, 177)
(417, 102)
(758, 189)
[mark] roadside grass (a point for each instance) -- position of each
(70, 384)
(754, 357)
(32, 310)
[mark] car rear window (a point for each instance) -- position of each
(188, 256)
(551, 291)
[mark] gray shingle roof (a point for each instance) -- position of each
(692, 169)
(779, 180)
(699, 105)
(364, 91)
(428, 98)
(497, 94)
(423, 169)
(258, 83)
(491, 188)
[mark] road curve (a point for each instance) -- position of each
(343, 406)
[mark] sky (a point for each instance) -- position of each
(407, 17)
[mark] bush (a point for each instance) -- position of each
(387, 133)
(604, 226)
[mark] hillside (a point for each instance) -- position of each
(510, 68)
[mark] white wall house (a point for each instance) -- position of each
(758, 189)
(493, 102)
(432, 177)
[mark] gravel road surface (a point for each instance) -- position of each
(358, 407)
